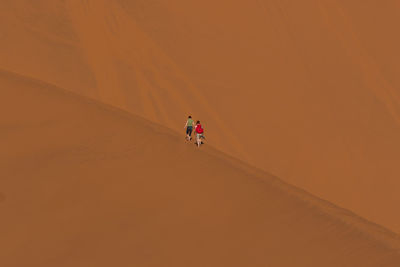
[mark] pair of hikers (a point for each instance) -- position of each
(197, 128)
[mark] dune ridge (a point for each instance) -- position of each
(90, 184)
(306, 90)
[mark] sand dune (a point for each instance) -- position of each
(86, 184)
(307, 90)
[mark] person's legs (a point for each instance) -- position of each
(190, 132)
(198, 139)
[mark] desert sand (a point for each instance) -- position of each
(306, 90)
(94, 169)
(91, 185)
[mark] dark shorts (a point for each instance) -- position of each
(189, 130)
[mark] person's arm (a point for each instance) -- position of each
(185, 125)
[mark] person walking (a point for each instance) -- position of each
(189, 128)
(199, 133)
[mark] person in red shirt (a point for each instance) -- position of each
(199, 133)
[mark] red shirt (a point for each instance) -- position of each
(199, 129)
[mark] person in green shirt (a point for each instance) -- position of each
(189, 128)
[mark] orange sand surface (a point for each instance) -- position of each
(86, 184)
(94, 168)
(307, 90)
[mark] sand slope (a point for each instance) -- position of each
(307, 90)
(85, 184)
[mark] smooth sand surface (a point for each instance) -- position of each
(307, 90)
(86, 184)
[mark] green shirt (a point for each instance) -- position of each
(189, 123)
